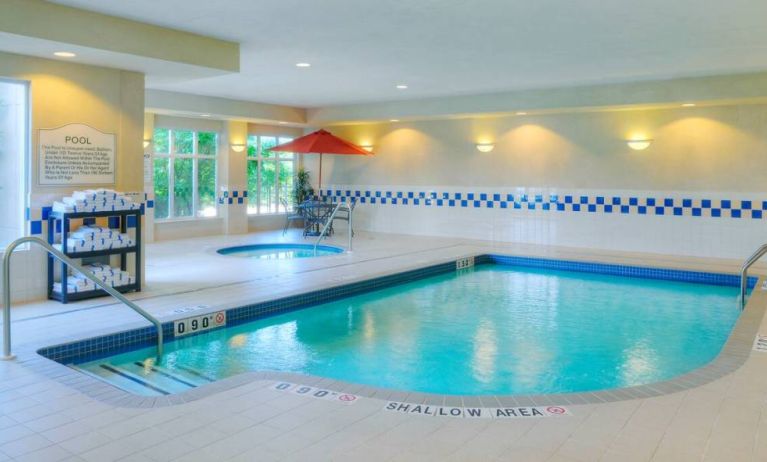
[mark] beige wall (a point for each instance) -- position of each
(109, 100)
(717, 148)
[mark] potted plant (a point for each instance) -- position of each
(302, 188)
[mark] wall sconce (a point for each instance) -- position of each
(147, 143)
(367, 147)
(485, 147)
(639, 145)
(238, 147)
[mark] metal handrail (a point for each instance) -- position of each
(71, 263)
(341, 205)
(760, 252)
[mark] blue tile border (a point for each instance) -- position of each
(108, 345)
(233, 197)
(594, 203)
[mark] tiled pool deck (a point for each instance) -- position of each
(48, 412)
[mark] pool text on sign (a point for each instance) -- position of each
(520, 412)
(200, 323)
(76, 154)
(318, 393)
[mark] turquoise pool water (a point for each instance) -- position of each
(279, 251)
(494, 329)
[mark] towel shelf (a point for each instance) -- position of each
(122, 216)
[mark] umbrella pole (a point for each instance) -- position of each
(320, 182)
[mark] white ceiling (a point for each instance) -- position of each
(360, 49)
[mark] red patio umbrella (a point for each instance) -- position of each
(321, 142)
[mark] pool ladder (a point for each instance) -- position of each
(7, 355)
(342, 206)
(760, 252)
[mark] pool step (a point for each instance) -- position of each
(146, 379)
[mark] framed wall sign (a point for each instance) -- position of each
(75, 154)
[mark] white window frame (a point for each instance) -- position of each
(278, 158)
(23, 186)
(196, 156)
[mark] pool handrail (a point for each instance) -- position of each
(760, 252)
(340, 206)
(7, 354)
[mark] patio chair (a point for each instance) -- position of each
(345, 215)
(295, 215)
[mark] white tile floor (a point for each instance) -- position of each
(44, 420)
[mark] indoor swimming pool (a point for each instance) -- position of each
(505, 326)
(279, 251)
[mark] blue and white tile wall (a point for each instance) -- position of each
(727, 225)
(233, 197)
(41, 205)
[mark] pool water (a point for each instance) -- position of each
(493, 329)
(279, 251)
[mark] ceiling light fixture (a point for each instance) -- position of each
(688, 105)
(639, 144)
(521, 113)
(204, 115)
(485, 147)
(64, 54)
(393, 120)
(401, 87)
(303, 65)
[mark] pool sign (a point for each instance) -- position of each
(75, 154)
(520, 412)
(318, 393)
(200, 323)
(464, 263)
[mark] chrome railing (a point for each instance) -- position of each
(760, 252)
(7, 355)
(340, 206)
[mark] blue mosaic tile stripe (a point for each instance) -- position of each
(697, 277)
(37, 217)
(233, 197)
(606, 204)
(108, 345)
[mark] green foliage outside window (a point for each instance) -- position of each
(161, 141)
(161, 197)
(207, 143)
(183, 142)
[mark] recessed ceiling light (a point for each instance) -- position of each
(688, 105)
(401, 87)
(521, 113)
(303, 65)
(64, 54)
(204, 115)
(393, 120)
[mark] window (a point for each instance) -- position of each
(14, 133)
(270, 176)
(184, 173)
